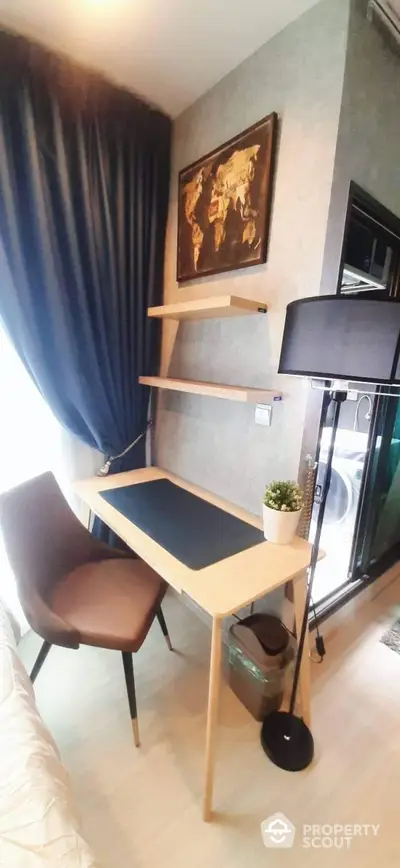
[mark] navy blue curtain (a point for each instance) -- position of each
(84, 175)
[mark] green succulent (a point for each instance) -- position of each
(283, 496)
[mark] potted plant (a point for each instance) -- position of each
(282, 504)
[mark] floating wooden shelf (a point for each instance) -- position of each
(244, 394)
(208, 308)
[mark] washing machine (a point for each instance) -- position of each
(347, 469)
(341, 506)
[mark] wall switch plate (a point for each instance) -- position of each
(263, 414)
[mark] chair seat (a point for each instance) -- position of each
(111, 603)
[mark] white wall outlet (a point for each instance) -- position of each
(263, 414)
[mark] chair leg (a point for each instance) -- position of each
(130, 687)
(161, 621)
(40, 660)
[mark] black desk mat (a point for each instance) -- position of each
(189, 528)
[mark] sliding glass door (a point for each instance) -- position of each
(361, 532)
(348, 467)
(377, 540)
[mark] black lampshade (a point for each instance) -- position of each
(342, 337)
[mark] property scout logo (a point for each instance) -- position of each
(277, 831)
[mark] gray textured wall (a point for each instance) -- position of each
(368, 152)
(368, 148)
(215, 443)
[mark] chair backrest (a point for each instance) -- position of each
(43, 538)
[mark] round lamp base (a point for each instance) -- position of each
(287, 741)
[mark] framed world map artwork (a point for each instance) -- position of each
(224, 204)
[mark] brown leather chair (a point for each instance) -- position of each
(73, 588)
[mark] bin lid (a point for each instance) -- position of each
(261, 636)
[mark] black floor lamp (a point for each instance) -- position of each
(339, 339)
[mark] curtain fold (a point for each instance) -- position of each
(84, 176)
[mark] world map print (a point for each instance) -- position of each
(224, 205)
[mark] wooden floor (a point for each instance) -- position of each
(141, 808)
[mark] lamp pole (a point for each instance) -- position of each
(286, 739)
(337, 398)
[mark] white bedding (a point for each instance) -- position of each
(38, 823)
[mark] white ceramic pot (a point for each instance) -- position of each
(280, 527)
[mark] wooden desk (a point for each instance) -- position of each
(220, 589)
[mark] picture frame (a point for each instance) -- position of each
(224, 204)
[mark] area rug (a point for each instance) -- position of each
(391, 637)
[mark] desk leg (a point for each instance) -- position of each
(212, 715)
(299, 596)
